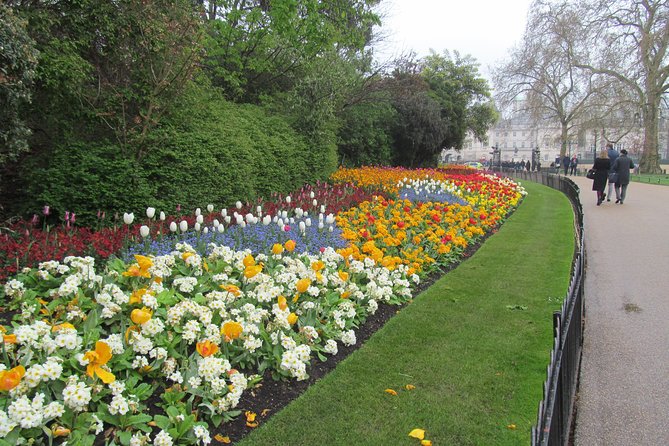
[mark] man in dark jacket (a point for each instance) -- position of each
(613, 154)
(622, 167)
(565, 164)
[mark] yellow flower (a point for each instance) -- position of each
(232, 330)
(186, 255)
(96, 359)
(60, 431)
(277, 248)
(303, 285)
(142, 316)
(206, 348)
(283, 304)
(251, 419)
(292, 318)
(11, 378)
(221, 439)
(343, 275)
(317, 265)
(252, 271)
(9, 339)
(249, 260)
(136, 296)
(141, 268)
(417, 433)
(232, 289)
(290, 245)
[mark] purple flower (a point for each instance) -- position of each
(46, 210)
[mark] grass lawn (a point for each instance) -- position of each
(475, 345)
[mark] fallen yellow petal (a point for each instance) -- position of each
(511, 426)
(264, 412)
(390, 391)
(417, 433)
(409, 387)
(221, 439)
(425, 443)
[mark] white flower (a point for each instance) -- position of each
(163, 439)
(76, 395)
(162, 216)
(331, 347)
(348, 337)
(183, 225)
(150, 212)
(128, 218)
(202, 434)
(118, 405)
(144, 231)
(210, 208)
(173, 227)
(238, 205)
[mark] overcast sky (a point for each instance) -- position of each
(485, 29)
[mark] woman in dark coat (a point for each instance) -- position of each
(622, 167)
(601, 167)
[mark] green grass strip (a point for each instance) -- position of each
(475, 344)
(660, 179)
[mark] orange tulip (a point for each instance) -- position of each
(206, 348)
(232, 330)
(11, 378)
(290, 245)
(96, 359)
(318, 265)
(60, 431)
(10, 339)
(140, 317)
(232, 289)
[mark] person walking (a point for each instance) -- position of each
(622, 167)
(613, 154)
(601, 167)
(565, 164)
(573, 164)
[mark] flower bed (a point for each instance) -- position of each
(162, 346)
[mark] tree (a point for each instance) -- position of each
(632, 42)
(463, 95)
(542, 70)
(18, 60)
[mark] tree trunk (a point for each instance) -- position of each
(650, 158)
(564, 136)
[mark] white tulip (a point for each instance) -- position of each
(315, 202)
(239, 219)
(249, 218)
(320, 217)
(307, 222)
(173, 227)
(150, 212)
(220, 229)
(162, 216)
(284, 214)
(198, 211)
(183, 225)
(197, 226)
(331, 229)
(259, 210)
(255, 220)
(224, 212)
(311, 194)
(266, 220)
(243, 224)
(320, 225)
(200, 219)
(205, 230)
(322, 209)
(227, 219)
(216, 223)
(299, 212)
(292, 221)
(302, 227)
(210, 208)
(275, 218)
(279, 223)
(144, 231)
(128, 218)
(288, 199)
(238, 205)
(329, 219)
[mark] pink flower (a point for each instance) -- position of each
(35, 219)
(46, 210)
(72, 219)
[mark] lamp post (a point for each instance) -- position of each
(496, 160)
(535, 158)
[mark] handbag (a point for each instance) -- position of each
(613, 177)
(590, 174)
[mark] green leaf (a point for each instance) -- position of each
(162, 422)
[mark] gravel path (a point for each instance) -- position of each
(624, 385)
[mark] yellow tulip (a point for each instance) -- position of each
(232, 289)
(277, 248)
(232, 330)
(343, 275)
(283, 304)
(318, 265)
(292, 318)
(96, 359)
(141, 269)
(9, 339)
(303, 285)
(60, 431)
(252, 271)
(142, 316)
(249, 260)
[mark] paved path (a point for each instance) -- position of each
(624, 386)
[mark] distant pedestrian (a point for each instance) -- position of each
(565, 164)
(602, 166)
(613, 154)
(573, 164)
(622, 167)
(528, 165)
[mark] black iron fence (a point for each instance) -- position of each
(556, 410)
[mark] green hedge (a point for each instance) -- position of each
(212, 152)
